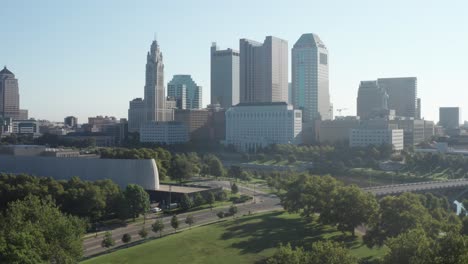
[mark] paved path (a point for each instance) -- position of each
(263, 203)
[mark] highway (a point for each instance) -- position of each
(263, 203)
(417, 187)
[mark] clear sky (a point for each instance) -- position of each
(87, 57)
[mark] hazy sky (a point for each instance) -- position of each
(87, 58)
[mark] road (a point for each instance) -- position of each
(416, 187)
(263, 202)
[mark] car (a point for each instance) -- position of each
(156, 210)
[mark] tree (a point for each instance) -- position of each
(398, 215)
(210, 199)
(143, 233)
(175, 223)
(234, 188)
(287, 255)
(181, 168)
(126, 238)
(215, 167)
(185, 202)
(35, 231)
(221, 196)
(137, 199)
(323, 252)
(349, 208)
(107, 240)
(233, 210)
(158, 226)
(291, 159)
(220, 214)
(234, 172)
(328, 252)
(190, 220)
(278, 158)
(408, 248)
(199, 199)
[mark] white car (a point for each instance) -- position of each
(156, 210)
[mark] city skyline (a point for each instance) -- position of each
(81, 62)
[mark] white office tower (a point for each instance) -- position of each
(310, 85)
(250, 126)
(264, 70)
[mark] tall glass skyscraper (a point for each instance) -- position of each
(184, 84)
(310, 86)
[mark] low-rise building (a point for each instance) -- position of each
(164, 133)
(250, 126)
(364, 137)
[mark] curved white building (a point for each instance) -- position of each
(121, 171)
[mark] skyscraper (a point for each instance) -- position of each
(136, 114)
(371, 100)
(449, 117)
(264, 70)
(155, 95)
(402, 95)
(9, 95)
(184, 84)
(224, 77)
(310, 85)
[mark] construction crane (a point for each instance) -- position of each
(341, 109)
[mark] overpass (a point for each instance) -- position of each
(417, 187)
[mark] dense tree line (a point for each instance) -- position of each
(429, 162)
(327, 159)
(162, 156)
(49, 140)
(93, 201)
(389, 221)
(179, 167)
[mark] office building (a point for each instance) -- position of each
(310, 85)
(98, 123)
(364, 137)
(263, 70)
(30, 127)
(402, 95)
(337, 130)
(136, 114)
(155, 93)
(371, 101)
(250, 126)
(164, 133)
(9, 96)
(204, 125)
(418, 109)
(449, 117)
(23, 114)
(71, 121)
(185, 90)
(224, 77)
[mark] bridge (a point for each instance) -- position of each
(417, 187)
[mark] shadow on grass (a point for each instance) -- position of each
(263, 232)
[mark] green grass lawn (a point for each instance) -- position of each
(247, 239)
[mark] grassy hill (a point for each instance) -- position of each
(247, 239)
